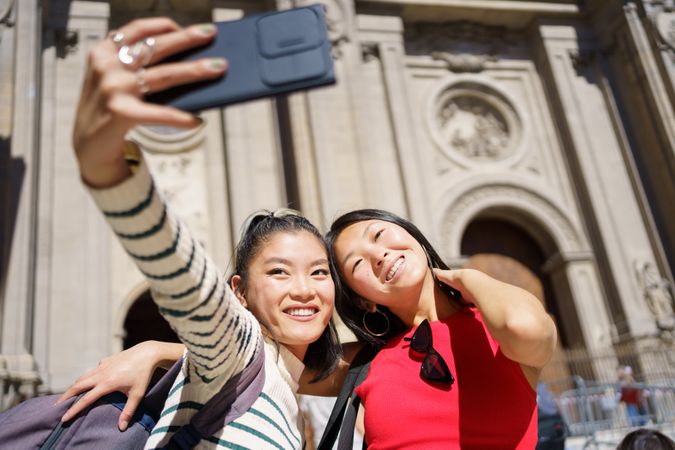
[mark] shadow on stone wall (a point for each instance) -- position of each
(12, 174)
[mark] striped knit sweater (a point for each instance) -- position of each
(221, 336)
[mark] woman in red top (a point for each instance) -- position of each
(448, 375)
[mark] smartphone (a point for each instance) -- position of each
(269, 54)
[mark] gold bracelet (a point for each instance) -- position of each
(132, 155)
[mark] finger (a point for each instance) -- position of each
(129, 409)
(83, 403)
(139, 29)
(171, 43)
(443, 275)
(138, 112)
(165, 76)
(84, 383)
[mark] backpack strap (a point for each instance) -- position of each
(357, 373)
(230, 403)
(155, 398)
(346, 439)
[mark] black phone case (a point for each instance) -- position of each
(268, 54)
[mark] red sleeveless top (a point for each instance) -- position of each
(490, 406)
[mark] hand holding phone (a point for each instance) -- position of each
(268, 54)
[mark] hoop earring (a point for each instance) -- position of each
(368, 329)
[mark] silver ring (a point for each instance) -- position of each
(117, 37)
(129, 55)
(149, 50)
(140, 81)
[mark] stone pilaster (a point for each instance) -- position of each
(74, 304)
(18, 287)
(395, 155)
(611, 210)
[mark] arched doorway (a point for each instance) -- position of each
(508, 253)
(143, 322)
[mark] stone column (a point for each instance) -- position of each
(644, 49)
(381, 39)
(327, 121)
(73, 306)
(18, 288)
(604, 188)
(584, 314)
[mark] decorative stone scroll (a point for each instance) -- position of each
(472, 121)
(338, 20)
(463, 46)
(183, 12)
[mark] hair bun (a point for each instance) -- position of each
(258, 217)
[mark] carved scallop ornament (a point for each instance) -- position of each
(472, 123)
(168, 140)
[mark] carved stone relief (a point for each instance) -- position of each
(194, 11)
(176, 158)
(66, 42)
(472, 121)
(656, 291)
(463, 46)
(665, 27)
(164, 140)
(338, 20)
(661, 13)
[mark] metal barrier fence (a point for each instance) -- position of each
(652, 362)
(602, 413)
(598, 409)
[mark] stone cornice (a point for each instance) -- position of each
(543, 6)
(514, 15)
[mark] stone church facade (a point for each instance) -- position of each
(532, 139)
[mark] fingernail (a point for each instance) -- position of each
(123, 425)
(217, 63)
(65, 418)
(206, 29)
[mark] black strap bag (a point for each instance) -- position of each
(342, 419)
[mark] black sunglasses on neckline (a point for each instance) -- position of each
(433, 366)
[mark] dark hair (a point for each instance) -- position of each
(347, 307)
(323, 354)
(645, 439)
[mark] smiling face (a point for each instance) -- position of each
(289, 289)
(382, 263)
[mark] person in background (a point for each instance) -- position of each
(631, 395)
(551, 425)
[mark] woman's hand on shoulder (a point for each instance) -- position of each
(460, 279)
(128, 372)
(514, 317)
(112, 98)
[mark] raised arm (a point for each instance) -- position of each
(514, 317)
(221, 336)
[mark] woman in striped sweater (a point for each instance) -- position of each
(278, 303)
